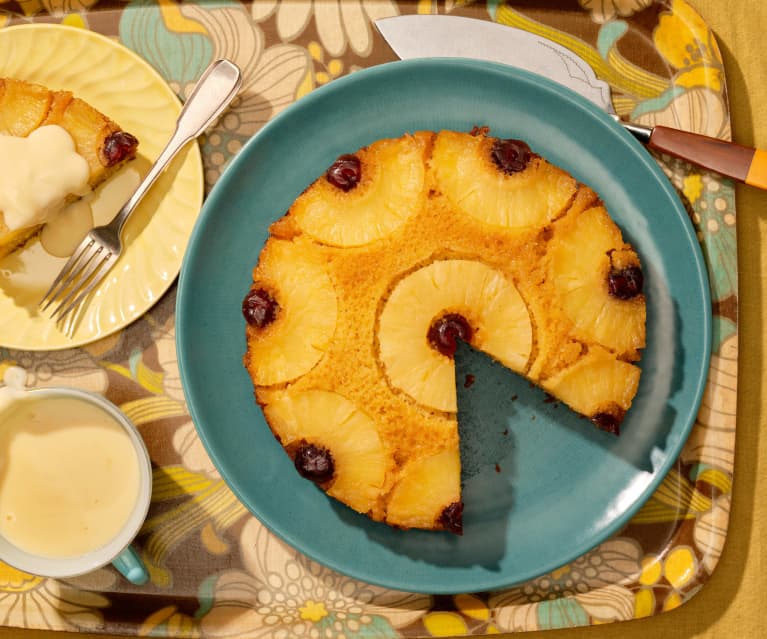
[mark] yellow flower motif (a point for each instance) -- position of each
(177, 21)
(684, 39)
(38, 602)
(332, 69)
(313, 611)
(670, 573)
(74, 20)
(680, 567)
(692, 186)
(315, 51)
(652, 570)
(14, 580)
(644, 604)
(169, 622)
(335, 67)
(445, 624)
(672, 601)
(472, 606)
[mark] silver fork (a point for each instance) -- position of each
(100, 248)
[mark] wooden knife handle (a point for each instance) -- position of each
(726, 158)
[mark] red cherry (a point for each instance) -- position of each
(511, 156)
(345, 172)
(446, 331)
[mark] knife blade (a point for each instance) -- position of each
(440, 36)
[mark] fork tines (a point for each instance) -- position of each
(88, 265)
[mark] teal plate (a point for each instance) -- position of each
(542, 486)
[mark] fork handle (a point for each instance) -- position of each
(213, 92)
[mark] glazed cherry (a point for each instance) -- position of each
(314, 463)
(608, 423)
(119, 146)
(451, 518)
(259, 308)
(511, 156)
(345, 172)
(625, 283)
(446, 331)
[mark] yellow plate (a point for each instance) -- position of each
(127, 89)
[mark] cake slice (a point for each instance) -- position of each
(100, 143)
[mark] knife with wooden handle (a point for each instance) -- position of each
(741, 163)
(441, 36)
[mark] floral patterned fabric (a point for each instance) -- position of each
(215, 570)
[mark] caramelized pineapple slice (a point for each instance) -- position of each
(366, 196)
(599, 281)
(333, 443)
(599, 386)
(23, 107)
(291, 313)
(428, 493)
(432, 307)
(500, 182)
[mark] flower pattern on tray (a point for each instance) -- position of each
(215, 570)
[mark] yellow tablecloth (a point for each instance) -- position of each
(731, 603)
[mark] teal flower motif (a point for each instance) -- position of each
(179, 53)
(588, 588)
(711, 205)
(561, 613)
(181, 39)
(715, 217)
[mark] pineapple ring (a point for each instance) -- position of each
(426, 487)
(331, 421)
(391, 191)
(298, 337)
(466, 175)
(580, 258)
(490, 303)
(596, 383)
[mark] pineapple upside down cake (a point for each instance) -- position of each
(378, 268)
(54, 147)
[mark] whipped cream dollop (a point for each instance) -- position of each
(37, 174)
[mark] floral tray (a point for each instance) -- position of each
(215, 570)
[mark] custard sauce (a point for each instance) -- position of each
(69, 476)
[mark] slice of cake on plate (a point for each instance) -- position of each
(54, 147)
